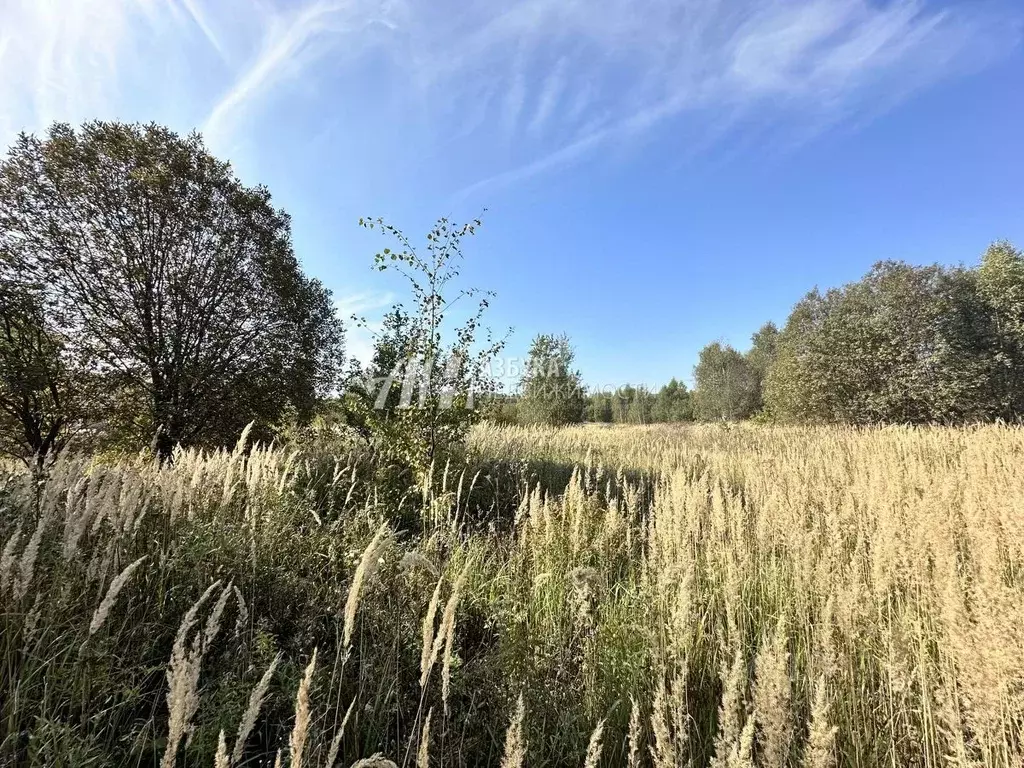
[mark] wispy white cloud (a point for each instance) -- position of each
(560, 157)
(550, 94)
(60, 59)
(581, 100)
(282, 53)
(363, 302)
(560, 78)
(75, 60)
(199, 16)
(820, 61)
(514, 100)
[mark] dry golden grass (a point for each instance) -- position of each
(868, 581)
(762, 596)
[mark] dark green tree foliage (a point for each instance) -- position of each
(363, 385)
(905, 345)
(39, 399)
(726, 385)
(599, 408)
(672, 403)
(760, 357)
(626, 405)
(621, 402)
(501, 408)
(1000, 285)
(638, 405)
(633, 405)
(551, 391)
(177, 280)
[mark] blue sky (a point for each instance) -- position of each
(657, 174)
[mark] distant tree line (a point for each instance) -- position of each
(640, 405)
(551, 392)
(904, 344)
(729, 385)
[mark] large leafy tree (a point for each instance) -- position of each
(551, 390)
(726, 387)
(176, 278)
(904, 344)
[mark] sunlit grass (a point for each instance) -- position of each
(655, 595)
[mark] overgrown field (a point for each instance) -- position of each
(616, 596)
